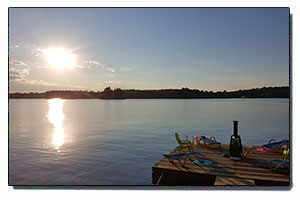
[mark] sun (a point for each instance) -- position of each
(60, 58)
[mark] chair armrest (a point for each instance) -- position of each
(271, 141)
(186, 141)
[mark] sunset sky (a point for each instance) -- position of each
(147, 48)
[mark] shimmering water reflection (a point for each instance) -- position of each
(56, 117)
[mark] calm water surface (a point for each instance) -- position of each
(116, 142)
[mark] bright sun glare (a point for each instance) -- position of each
(60, 58)
(56, 117)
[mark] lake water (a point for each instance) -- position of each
(116, 142)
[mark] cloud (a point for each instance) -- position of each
(102, 65)
(16, 78)
(92, 62)
(14, 46)
(81, 66)
(124, 68)
(111, 82)
(35, 50)
(16, 62)
(39, 82)
(18, 75)
(49, 84)
(110, 69)
(110, 75)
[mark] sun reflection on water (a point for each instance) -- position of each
(56, 117)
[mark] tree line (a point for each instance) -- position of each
(183, 93)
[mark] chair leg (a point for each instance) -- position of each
(191, 148)
(278, 166)
(183, 162)
(270, 165)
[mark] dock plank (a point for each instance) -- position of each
(225, 181)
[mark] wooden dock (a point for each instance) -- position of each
(223, 171)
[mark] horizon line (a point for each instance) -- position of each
(151, 89)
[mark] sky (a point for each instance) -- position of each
(212, 49)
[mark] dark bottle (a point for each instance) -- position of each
(236, 148)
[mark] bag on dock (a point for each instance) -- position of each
(202, 162)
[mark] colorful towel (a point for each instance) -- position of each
(202, 162)
(263, 150)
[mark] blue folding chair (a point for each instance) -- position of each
(210, 141)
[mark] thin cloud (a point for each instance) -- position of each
(36, 51)
(15, 77)
(110, 75)
(124, 68)
(110, 69)
(39, 82)
(16, 62)
(111, 82)
(102, 65)
(48, 84)
(81, 66)
(18, 75)
(21, 80)
(93, 62)
(15, 46)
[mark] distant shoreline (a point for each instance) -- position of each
(184, 93)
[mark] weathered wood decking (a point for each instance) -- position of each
(247, 171)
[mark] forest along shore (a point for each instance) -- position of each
(184, 93)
